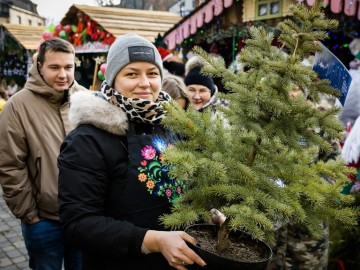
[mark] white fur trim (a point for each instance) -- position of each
(192, 63)
(86, 108)
(168, 56)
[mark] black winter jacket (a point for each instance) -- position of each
(92, 168)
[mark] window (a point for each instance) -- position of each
(19, 19)
(30, 22)
(267, 9)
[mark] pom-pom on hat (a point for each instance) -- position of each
(127, 49)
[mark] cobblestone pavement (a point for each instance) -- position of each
(13, 254)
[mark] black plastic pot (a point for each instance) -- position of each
(214, 261)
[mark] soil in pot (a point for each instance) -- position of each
(244, 252)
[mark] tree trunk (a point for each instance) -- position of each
(223, 236)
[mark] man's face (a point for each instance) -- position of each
(58, 70)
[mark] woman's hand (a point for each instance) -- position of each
(217, 217)
(173, 247)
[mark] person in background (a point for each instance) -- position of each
(201, 88)
(172, 64)
(33, 125)
(176, 88)
(3, 98)
(113, 184)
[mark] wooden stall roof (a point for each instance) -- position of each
(120, 21)
(28, 36)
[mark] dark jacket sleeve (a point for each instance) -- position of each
(87, 162)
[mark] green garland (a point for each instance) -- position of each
(217, 34)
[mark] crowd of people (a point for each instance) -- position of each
(75, 163)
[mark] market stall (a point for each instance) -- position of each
(222, 26)
(347, 13)
(93, 29)
(17, 45)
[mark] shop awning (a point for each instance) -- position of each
(196, 19)
(120, 21)
(349, 7)
(28, 36)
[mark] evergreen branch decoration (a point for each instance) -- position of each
(261, 169)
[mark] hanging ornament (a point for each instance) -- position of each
(99, 59)
(47, 35)
(96, 35)
(58, 28)
(76, 39)
(77, 62)
(52, 28)
(73, 28)
(109, 39)
(103, 68)
(63, 35)
(101, 75)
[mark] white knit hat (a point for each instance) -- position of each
(130, 48)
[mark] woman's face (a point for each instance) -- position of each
(199, 95)
(139, 80)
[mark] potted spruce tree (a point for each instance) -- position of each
(259, 169)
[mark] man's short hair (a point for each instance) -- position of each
(54, 45)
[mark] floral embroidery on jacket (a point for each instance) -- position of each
(154, 174)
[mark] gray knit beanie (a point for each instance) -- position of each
(130, 48)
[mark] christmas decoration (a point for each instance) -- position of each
(63, 35)
(101, 75)
(47, 35)
(13, 59)
(98, 73)
(83, 31)
(229, 39)
(77, 62)
(103, 68)
(13, 67)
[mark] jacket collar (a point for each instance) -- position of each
(88, 107)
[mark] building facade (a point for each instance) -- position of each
(20, 12)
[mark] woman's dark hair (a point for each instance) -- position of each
(55, 45)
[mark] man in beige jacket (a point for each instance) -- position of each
(33, 124)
